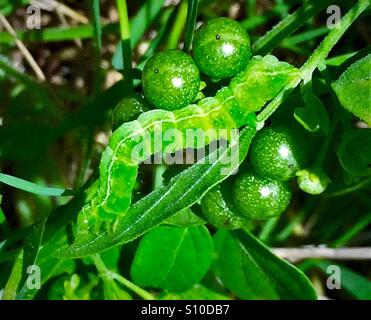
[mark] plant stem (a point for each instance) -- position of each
(276, 102)
(322, 51)
(139, 291)
(178, 26)
(10, 290)
(353, 231)
(34, 188)
(192, 9)
(336, 118)
(287, 26)
(251, 8)
(316, 59)
(356, 187)
(125, 42)
(267, 229)
(124, 20)
(105, 272)
(97, 27)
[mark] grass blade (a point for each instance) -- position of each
(97, 27)
(177, 28)
(139, 24)
(126, 56)
(33, 188)
(287, 26)
(190, 24)
(10, 290)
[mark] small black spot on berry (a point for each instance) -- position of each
(217, 37)
(291, 166)
(156, 70)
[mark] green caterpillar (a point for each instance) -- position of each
(232, 107)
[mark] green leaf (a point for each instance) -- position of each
(2, 215)
(313, 117)
(10, 290)
(32, 246)
(198, 292)
(49, 265)
(173, 258)
(112, 291)
(182, 192)
(97, 26)
(251, 271)
(357, 285)
(185, 218)
(32, 187)
(192, 9)
(287, 26)
(138, 25)
(354, 152)
(353, 89)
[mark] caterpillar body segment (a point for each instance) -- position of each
(133, 142)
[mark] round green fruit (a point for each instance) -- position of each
(218, 213)
(171, 80)
(259, 198)
(279, 152)
(313, 181)
(128, 109)
(221, 48)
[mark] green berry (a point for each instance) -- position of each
(171, 80)
(218, 213)
(128, 109)
(355, 152)
(221, 48)
(259, 198)
(313, 181)
(279, 152)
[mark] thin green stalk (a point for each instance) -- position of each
(97, 26)
(287, 26)
(284, 10)
(178, 26)
(305, 36)
(353, 231)
(124, 19)
(105, 272)
(268, 228)
(41, 90)
(125, 42)
(336, 118)
(316, 59)
(251, 8)
(2, 215)
(323, 50)
(97, 45)
(34, 188)
(358, 186)
(164, 26)
(276, 102)
(256, 21)
(10, 290)
(289, 228)
(192, 9)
